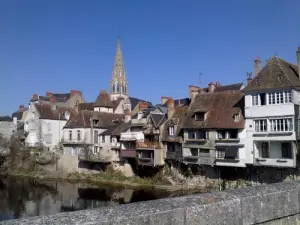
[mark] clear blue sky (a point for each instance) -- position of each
(60, 45)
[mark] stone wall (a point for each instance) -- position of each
(266, 204)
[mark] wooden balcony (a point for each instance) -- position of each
(148, 145)
(128, 153)
(146, 161)
(174, 155)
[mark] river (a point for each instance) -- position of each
(21, 198)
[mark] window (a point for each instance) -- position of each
(171, 147)
(200, 116)
(280, 97)
(194, 152)
(201, 135)
(281, 125)
(286, 150)
(78, 135)
(260, 125)
(192, 135)
(232, 134)
(254, 99)
(204, 150)
(95, 137)
(222, 134)
(49, 126)
(288, 97)
(102, 138)
(221, 152)
(95, 149)
(236, 117)
(49, 138)
(262, 98)
(171, 131)
(264, 150)
(70, 135)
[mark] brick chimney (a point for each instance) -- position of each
(53, 99)
(171, 107)
(75, 92)
(34, 97)
(164, 99)
(21, 107)
(143, 105)
(249, 77)
(49, 94)
(218, 84)
(211, 87)
(257, 65)
(298, 61)
(193, 91)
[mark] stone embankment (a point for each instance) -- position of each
(266, 204)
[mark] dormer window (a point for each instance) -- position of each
(171, 130)
(140, 115)
(200, 116)
(236, 117)
(95, 122)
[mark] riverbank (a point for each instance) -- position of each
(103, 178)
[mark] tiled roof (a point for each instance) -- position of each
(52, 112)
(103, 100)
(220, 108)
(116, 130)
(177, 119)
(277, 73)
(82, 119)
(135, 101)
(86, 106)
(230, 87)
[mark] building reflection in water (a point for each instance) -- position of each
(25, 198)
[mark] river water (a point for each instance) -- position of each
(21, 198)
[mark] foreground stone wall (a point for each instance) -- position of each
(267, 204)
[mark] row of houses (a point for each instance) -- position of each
(234, 125)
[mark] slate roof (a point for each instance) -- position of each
(103, 100)
(135, 101)
(157, 119)
(47, 112)
(177, 119)
(277, 73)
(19, 113)
(179, 102)
(220, 108)
(232, 87)
(145, 112)
(5, 118)
(82, 119)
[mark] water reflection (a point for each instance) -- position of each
(24, 198)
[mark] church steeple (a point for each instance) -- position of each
(118, 84)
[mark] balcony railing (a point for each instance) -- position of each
(148, 145)
(132, 136)
(174, 155)
(275, 162)
(98, 157)
(128, 153)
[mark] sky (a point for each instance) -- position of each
(60, 45)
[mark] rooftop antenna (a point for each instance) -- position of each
(199, 79)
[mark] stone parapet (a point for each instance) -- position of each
(253, 205)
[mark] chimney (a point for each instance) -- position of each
(211, 87)
(249, 77)
(298, 61)
(53, 99)
(193, 91)
(171, 107)
(257, 65)
(164, 99)
(34, 97)
(49, 94)
(21, 107)
(74, 92)
(143, 105)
